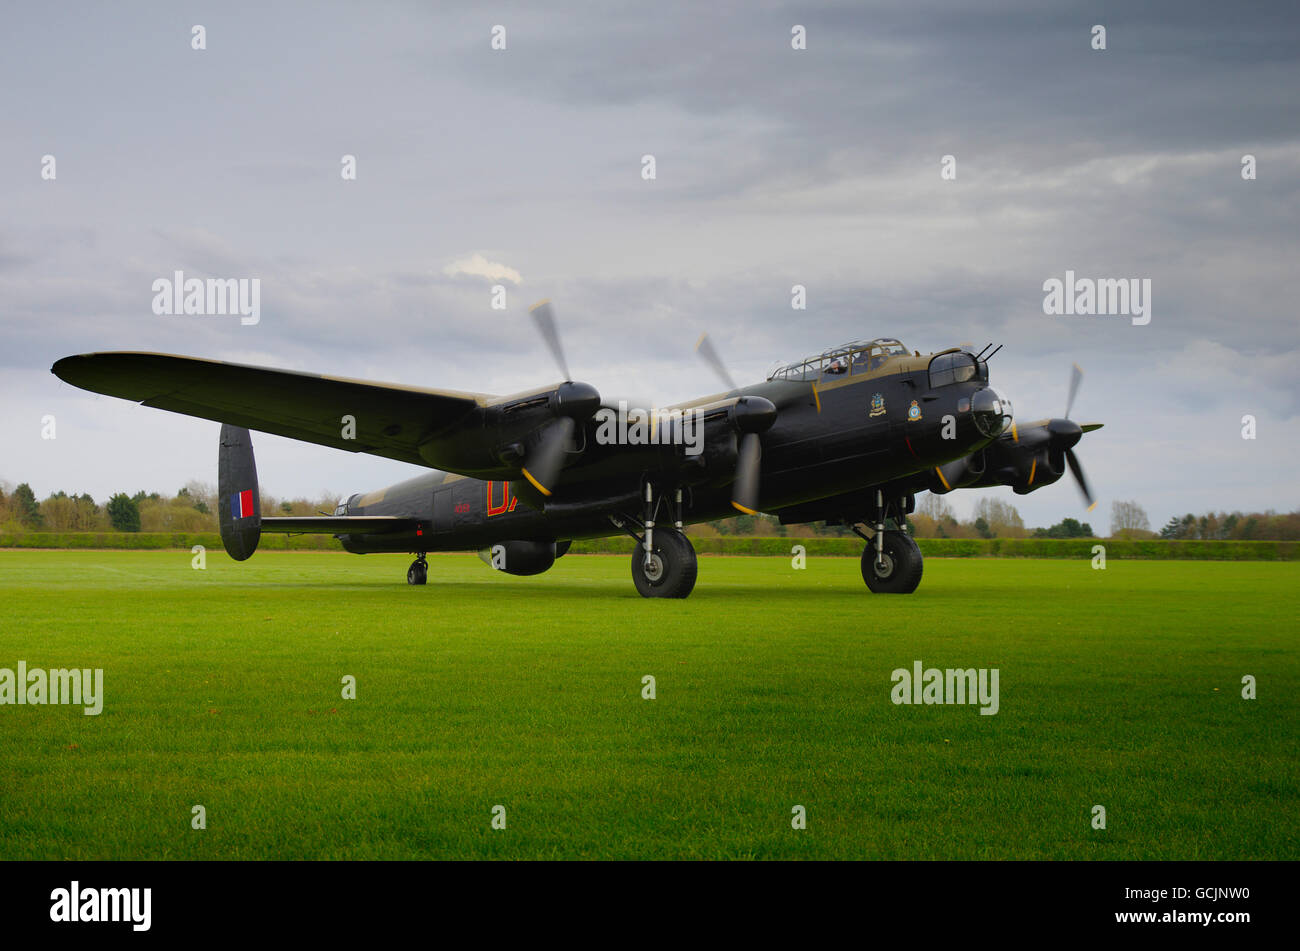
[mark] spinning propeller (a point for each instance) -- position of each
(1065, 433)
(570, 402)
(704, 347)
(749, 416)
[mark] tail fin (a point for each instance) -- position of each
(239, 503)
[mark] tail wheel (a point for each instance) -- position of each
(897, 570)
(671, 570)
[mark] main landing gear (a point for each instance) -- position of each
(891, 562)
(418, 573)
(663, 564)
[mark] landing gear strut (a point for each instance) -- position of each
(418, 573)
(663, 564)
(891, 562)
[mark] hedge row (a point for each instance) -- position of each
(160, 540)
(732, 545)
(982, 547)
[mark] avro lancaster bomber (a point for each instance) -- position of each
(848, 436)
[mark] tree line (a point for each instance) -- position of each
(194, 509)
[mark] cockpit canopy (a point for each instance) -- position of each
(956, 366)
(849, 358)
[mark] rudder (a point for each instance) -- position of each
(239, 503)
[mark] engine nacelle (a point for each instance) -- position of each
(957, 474)
(1045, 467)
(1025, 465)
(521, 557)
(725, 423)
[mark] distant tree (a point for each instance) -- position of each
(1066, 528)
(949, 527)
(1000, 517)
(833, 531)
(982, 526)
(59, 513)
(935, 507)
(124, 512)
(1127, 517)
(87, 517)
(1173, 528)
(205, 496)
(922, 526)
(25, 508)
(187, 497)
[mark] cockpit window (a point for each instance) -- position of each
(873, 358)
(949, 368)
(837, 365)
(850, 358)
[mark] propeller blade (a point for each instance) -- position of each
(704, 347)
(1077, 471)
(544, 317)
(1076, 375)
(744, 493)
(543, 465)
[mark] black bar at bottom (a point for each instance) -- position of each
(934, 899)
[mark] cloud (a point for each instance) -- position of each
(478, 266)
(775, 167)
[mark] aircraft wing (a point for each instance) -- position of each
(391, 420)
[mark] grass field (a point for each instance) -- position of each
(223, 688)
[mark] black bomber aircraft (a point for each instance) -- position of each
(848, 436)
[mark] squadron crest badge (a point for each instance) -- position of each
(877, 405)
(913, 412)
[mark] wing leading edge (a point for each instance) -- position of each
(390, 420)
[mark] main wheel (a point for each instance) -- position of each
(672, 568)
(898, 571)
(418, 573)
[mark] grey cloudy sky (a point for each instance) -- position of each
(774, 167)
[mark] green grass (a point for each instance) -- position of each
(1119, 687)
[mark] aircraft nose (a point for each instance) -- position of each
(992, 414)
